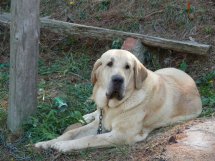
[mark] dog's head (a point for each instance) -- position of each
(118, 73)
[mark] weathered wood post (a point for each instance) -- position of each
(24, 49)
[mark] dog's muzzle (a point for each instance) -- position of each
(116, 88)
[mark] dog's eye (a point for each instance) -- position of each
(127, 67)
(110, 64)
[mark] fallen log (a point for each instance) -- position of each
(108, 34)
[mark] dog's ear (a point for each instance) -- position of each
(140, 74)
(97, 64)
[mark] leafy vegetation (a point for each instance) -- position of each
(104, 5)
(209, 30)
(207, 90)
(183, 66)
(5, 4)
(50, 121)
(67, 77)
(116, 44)
(4, 81)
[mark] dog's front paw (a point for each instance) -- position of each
(89, 118)
(61, 146)
(44, 144)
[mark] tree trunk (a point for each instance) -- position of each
(24, 49)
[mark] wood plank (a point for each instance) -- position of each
(24, 52)
(103, 33)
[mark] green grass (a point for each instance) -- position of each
(208, 30)
(183, 66)
(104, 5)
(70, 64)
(5, 5)
(4, 82)
(49, 121)
(156, 3)
(67, 76)
(3, 117)
(207, 92)
(176, 17)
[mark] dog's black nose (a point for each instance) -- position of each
(117, 79)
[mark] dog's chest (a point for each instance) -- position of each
(110, 117)
(107, 121)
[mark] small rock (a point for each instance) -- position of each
(136, 47)
(172, 139)
(192, 39)
(167, 61)
(191, 16)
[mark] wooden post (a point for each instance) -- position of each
(24, 49)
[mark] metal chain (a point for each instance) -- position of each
(99, 131)
(13, 149)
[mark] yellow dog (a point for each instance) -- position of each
(131, 101)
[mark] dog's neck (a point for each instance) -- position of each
(114, 103)
(127, 103)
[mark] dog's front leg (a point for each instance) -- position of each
(89, 129)
(91, 116)
(101, 140)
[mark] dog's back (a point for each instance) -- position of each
(188, 103)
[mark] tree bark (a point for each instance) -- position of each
(103, 33)
(24, 51)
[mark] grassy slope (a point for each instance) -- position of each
(65, 65)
